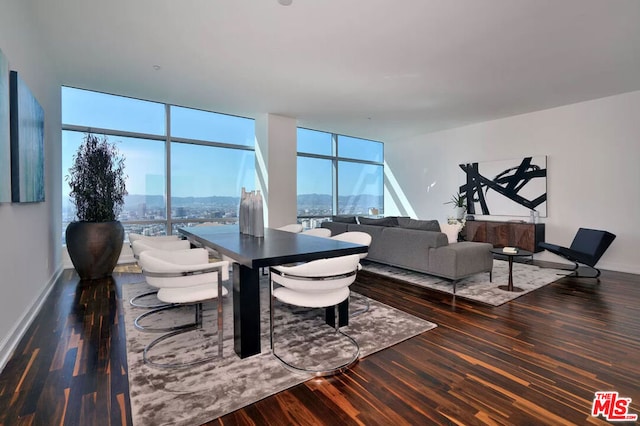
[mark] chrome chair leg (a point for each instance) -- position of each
(317, 373)
(134, 301)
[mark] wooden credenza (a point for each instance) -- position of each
(514, 234)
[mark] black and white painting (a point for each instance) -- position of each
(506, 187)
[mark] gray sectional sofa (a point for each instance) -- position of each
(418, 245)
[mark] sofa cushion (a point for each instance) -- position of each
(384, 221)
(460, 260)
(335, 227)
(344, 219)
(423, 225)
(452, 231)
(377, 246)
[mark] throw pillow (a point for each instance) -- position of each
(423, 225)
(344, 219)
(452, 231)
(384, 221)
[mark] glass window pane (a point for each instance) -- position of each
(314, 187)
(150, 229)
(360, 188)
(99, 110)
(314, 142)
(206, 181)
(360, 149)
(145, 170)
(210, 126)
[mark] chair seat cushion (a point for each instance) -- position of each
(190, 294)
(311, 299)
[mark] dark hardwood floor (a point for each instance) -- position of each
(536, 360)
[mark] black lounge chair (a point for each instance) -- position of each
(587, 248)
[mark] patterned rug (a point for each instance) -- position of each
(478, 287)
(199, 394)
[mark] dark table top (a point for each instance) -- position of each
(275, 248)
(520, 252)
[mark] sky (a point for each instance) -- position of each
(202, 171)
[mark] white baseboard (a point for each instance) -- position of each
(20, 328)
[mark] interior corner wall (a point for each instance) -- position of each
(276, 168)
(30, 250)
(592, 154)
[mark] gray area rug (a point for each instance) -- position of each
(478, 287)
(199, 394)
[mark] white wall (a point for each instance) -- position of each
(592, 149)
(30, 248)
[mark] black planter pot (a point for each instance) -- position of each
(94, 247)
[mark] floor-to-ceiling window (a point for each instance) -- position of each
(184, 166)
(338, 175)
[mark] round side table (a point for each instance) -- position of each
(510, 256)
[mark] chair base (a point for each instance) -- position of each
(576, 272)
(134, 301)
(183, 327)
(354, 314)
(195, 326)
(317, 373)
(324, 373)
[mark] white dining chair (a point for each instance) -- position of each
(316, 284)
(138, 245)
(184, 277)
(318, 232)
(362, 238)
(294, 227)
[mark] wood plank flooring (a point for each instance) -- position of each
(536, 360)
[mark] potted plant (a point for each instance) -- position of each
(459, 202)
(97, 182)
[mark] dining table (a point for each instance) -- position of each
(250, 255)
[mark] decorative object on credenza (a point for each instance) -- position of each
(506, 188)
(97, 182)
(5, 136)
(459, 205)
(27, 143)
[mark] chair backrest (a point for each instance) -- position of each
(164, 268)
(319, 276)
(356, 237)
(318, 232)
(592, 242)
(134, 237)
(294, 227)
(139, 246)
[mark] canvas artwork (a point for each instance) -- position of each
(27, 143)
(5, 141)
(507, 187)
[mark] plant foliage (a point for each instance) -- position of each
(97, 180)
(458, 200)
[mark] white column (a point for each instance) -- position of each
(276, 168)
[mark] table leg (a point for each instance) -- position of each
(510, 286)
(343, 314)
(246, 310)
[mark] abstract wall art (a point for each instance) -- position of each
(507, 187)
(5, 141)
(27, 143)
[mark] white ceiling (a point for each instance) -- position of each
(379, 69)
